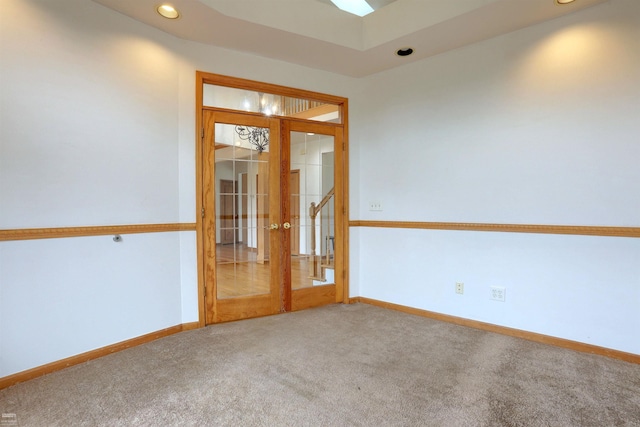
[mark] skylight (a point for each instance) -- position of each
(357, 7)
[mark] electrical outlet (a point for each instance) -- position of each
(498, 293)
(375, 206)
(459, 288)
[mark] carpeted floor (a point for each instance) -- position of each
(341, 365)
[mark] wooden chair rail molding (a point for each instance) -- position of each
(581, 230)
(56, 233)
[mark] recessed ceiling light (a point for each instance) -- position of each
(564, 1)
(168, 11)
(405, 51)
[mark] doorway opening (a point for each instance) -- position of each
(272, 192)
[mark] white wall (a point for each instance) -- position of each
(88, 108)
(538, 126)
(97, 127)
(61, 297)
(89, 124)
(581, 288)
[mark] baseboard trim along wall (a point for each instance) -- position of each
(56, 233)
(531, 336)
(29, 374)
(581, 230)
(58, 365)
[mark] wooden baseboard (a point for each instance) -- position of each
(531, 336)
(23, 376)
(190, 326)
(58, 365)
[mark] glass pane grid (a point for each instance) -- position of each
(237, 168)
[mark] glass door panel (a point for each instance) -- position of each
(311, 207)
(312, 239)
(272, 238)
(243, 183)
(242, 212)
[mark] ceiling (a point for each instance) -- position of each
(316, 34)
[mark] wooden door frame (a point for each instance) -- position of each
(203, 211)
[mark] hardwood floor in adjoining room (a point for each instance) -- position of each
(239, 274)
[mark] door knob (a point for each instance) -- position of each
(286, 226)
(274, 226)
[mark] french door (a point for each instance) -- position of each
(273, 214)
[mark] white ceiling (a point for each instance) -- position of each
(316, 34)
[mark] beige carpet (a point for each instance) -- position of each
(342, 365)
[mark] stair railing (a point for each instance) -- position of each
(315, 270)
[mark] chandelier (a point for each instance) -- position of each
(258, 137)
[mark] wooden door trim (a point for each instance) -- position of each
(275, 213)
(285, 208)
(207, 252)
(203, 78)
(345, 201)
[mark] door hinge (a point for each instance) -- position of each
(343, 146)
(202, 133)
(202, 212)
